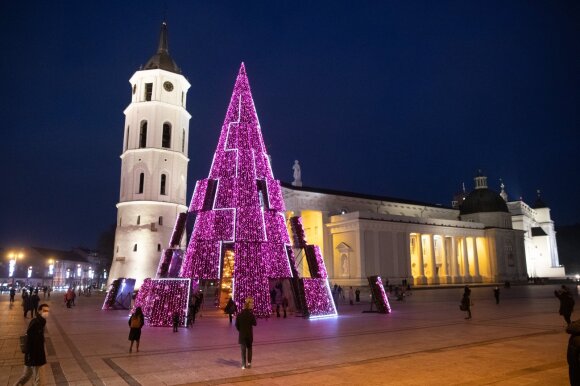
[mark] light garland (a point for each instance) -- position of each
(379, 294)
(159, 299)
(318, 298)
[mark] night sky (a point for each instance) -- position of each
(403, 99)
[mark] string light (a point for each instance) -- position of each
(381, 299)
(159, 299)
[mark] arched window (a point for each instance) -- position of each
(162, 190)
(135, 248)
(158, 247)
(138, 220)
(143, 135)
(127, 138)
(166, 139)
(183, 141)
(141, 182)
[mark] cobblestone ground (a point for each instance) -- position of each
(424, 341)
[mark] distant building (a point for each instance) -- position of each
(153, 165)
(52, 267)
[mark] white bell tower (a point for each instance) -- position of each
(153, 166)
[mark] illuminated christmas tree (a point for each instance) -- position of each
(239, 231)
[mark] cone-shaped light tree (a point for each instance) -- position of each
(239, 210)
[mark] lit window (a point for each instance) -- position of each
(148, 91)
(166, 138)
(163, 182)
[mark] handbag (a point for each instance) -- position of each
(23, 340)
(135, 322)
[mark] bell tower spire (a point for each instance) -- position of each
(153, 165)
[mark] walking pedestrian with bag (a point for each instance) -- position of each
(33, 348)
(245, 323)
(136, 322)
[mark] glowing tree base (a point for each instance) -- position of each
(161, 298)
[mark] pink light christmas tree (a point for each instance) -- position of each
(240, 207)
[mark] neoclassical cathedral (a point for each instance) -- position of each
(481, 238)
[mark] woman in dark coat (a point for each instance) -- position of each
(34, 357)
(466, 304)
(136, 322)
(230, 308)
(244, 324)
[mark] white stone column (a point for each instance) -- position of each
(466, 274)
(421, 279)
(455, 276)
(444, 271)
(477, 276)
(434, 278)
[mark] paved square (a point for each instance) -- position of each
(425, 341)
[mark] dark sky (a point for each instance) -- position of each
(403, 99)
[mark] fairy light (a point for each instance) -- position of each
(381, 299)
(319, 302)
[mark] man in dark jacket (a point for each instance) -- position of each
(35, 357)
(566, 303)
(573, 353)
(244, 324)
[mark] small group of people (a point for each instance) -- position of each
(338, 293)
(30, 302)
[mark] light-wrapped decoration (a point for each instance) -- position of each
(379, 294)
(318, 298)
(178, 230)
(164, 262)
(298, 234)
(315, 261)
(160, 298)
(242, 207)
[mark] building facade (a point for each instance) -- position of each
(153, 165)
(482, 240)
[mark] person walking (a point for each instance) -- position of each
(230, 309)
(34, 356)
(357, 295)
(566, 303)
(34, 301)
(27, 305)
(351, 296)
(245, 323)
(466, 302)
(12, 294)
(136, 322)
(175, 318)
(496, 294)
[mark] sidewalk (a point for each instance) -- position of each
(424, 341)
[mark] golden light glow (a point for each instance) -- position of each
(227, 281)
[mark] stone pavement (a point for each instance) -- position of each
(424, 341)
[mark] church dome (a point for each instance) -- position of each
(482, 199)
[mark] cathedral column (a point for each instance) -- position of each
(455, 277)
(477, 276)
(466, 274)
(444, 262)
(421, 279)
(434, 276)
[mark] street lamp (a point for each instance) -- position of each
(13, 256)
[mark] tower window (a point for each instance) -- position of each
(134, 88)
(182, 97)
(138, 220)
(163, 183)
(148, 91)
(183, 141)
(120, 221)
(127, 138)
(117, 248)
(158, 247)
(143, 135)
(166, 139)
(141, 183)
(160, 220)
(135, 248)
